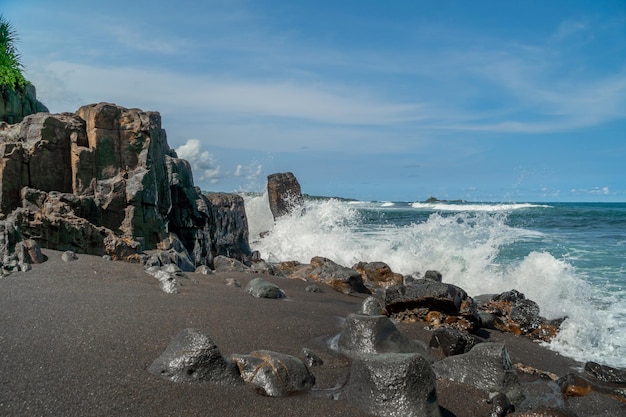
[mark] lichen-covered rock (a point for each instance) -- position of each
(193, 357)
(274, 374)
(393, 385)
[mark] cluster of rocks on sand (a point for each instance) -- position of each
(392, 374)
(103, 181)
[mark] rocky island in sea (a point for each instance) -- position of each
(195, 322)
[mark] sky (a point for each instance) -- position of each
(393, 101)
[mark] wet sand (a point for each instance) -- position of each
(77, 337)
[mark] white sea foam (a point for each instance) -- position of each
(487, 207)
(465, 248)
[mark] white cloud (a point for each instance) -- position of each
(592, 191)
(251, 172)
(201, 161)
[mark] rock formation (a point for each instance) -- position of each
(103, 180)
(16, 104)
(284, 194)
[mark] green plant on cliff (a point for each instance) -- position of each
(10, 60)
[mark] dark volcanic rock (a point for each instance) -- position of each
(284, 194)
(512, 312)
(452, 341)
(193, 357)
(274, 374)
(606, 373)
(393, 385)
(487, 367)
(365, 334)
(437, 303)
(500, 406)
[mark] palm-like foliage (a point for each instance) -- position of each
(10, 61)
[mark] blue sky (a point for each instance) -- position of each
(394, 100)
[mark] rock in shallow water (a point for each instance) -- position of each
(193, 357)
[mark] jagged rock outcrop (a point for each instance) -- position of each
(17, 104)
(104, 180)
(284, 194)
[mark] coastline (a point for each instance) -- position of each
(77, 338)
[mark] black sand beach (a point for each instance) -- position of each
(77, 337)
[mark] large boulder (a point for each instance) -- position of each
(393, 385)
(284, 194)
(437, 303)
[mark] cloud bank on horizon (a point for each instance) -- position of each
(396, 101)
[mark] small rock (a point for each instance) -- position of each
(371, 307)
(274, 374)
(606, 373)
(433, 275)
(573, 386)
(232, 282)
(169, 283)
(203, 269)
(452, 341)
(224, 264)
(500, 405)
(260, 288)
(313, 288)
(69, 256)
(311, 358)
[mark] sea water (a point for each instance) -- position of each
(568, 257)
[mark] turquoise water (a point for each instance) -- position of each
(568, 257)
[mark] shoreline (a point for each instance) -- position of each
(77, 339)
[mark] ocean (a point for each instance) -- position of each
(568, 257)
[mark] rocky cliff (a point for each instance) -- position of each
(15, 104)
(103, 180)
